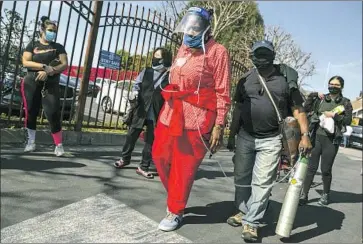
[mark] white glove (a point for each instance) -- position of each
(133, 95)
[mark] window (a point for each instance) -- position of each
(62, 90)
(125, 85)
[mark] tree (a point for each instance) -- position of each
(11, 37)
(289, 52)
(126, 59)
(173, 10)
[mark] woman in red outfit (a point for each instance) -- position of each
(191, 122)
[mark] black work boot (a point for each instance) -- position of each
(324, 200)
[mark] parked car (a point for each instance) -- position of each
(105, 82)
(356, 139)
(69, 111)
(92, 90)
(117, 99)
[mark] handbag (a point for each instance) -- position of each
(289, 128)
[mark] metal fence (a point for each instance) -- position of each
(92, 95)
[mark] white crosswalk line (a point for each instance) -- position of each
(96, 219)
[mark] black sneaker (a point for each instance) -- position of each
(324, 200)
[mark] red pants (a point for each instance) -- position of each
(177, 160)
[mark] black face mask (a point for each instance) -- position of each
(334, 90)
(156, 61)
(262, 63)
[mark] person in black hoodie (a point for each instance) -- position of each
(149, 101)
(325, 144)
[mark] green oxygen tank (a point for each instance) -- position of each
(291, 200)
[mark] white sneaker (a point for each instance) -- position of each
(30, 147)
(59, 151)
(170, 222)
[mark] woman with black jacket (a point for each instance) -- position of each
(146, 110)
(325, 144)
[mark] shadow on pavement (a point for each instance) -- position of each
(344, 197)
(79, 154)
(43, 182)
(39, 165)
(325, 219)
(210, 214)
(208, 174)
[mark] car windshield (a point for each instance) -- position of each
(71, 83)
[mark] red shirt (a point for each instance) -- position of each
(216, 74)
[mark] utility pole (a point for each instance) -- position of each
(91, 45)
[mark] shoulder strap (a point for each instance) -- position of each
(160, 79)
(263, 83)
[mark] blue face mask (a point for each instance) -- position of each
(193, 41)
(50, 36)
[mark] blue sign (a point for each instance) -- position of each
(110, 60)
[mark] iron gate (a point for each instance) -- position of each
(132, 32)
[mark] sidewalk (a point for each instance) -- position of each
(82, 198)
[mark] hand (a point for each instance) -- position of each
(321, 95)
(133, 95)
(216, 138)
(329, 114)
(49, 70)
(231, 146)
(42, 76)
(305, 145)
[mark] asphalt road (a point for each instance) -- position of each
(82, 198)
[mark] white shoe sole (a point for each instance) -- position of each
(166, 229)
(32, 150)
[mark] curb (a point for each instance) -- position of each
(44, 137)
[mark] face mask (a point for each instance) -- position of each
(262, 64)
(157, 63)
(334, 90)
(158, 67)
(193, 41)
(50, 36)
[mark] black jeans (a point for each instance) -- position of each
(131, 138)
(33, 100)
(327, 151)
